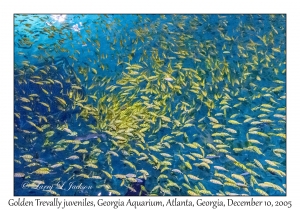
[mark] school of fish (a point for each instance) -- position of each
(193, 104)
